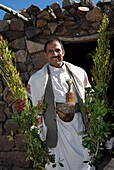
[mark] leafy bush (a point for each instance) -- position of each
(96, 104)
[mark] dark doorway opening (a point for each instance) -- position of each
(79, 55)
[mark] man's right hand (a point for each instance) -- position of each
(19, 105)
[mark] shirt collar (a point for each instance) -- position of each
(54, 69)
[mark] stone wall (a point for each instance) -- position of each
(75, 22)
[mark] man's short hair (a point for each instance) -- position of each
(53, 40)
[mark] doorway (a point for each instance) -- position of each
(79, 55)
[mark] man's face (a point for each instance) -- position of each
(55, 54)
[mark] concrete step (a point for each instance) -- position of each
(110, 165)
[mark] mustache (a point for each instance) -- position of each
(56, 57)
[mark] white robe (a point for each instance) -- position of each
(69, 150)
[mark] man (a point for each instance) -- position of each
(60, 131)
